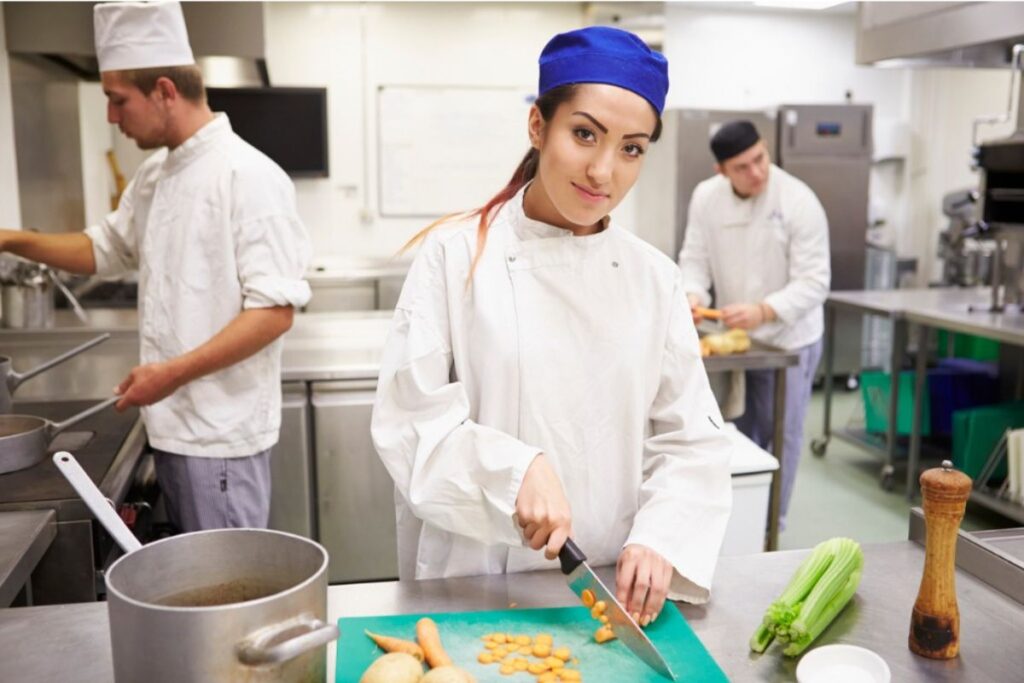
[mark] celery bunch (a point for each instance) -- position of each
(819, 590)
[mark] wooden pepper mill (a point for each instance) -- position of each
(935, 622)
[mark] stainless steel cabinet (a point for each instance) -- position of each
(291, 466)
(355, 494)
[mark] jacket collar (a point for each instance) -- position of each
(526, 228)
(182, 155)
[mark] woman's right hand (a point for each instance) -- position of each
(542, 509)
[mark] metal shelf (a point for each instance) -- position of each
(1002, 506)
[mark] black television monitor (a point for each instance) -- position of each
(289, 125)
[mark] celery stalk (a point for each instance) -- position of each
(825, 618)
(762, 637)
(783, 610)
(813, 596)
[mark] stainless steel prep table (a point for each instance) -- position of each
(24, 537)
(763, 357)
(109, 447)
(71, 642)
(970, 316)
(899, 306)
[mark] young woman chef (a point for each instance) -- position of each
(542, 377)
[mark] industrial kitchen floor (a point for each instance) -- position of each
(839, 495)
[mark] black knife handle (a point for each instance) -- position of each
(570, 556)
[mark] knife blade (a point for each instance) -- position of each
(580, 576)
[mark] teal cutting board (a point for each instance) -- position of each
(571, 627)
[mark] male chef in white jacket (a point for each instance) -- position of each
(211, 226)
(759, 237)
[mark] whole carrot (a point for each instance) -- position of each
(430, 640)
(389, 644)
(709, 313)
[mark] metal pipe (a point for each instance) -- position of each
(993, 119)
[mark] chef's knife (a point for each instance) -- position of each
(580, 577)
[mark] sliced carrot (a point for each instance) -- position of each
(389, 644)
(587, 597)
(430, 640)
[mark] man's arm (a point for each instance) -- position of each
(694, 259)
(249, 332)
(70, 251)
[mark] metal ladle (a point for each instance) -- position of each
(9, 379)
(99, 505)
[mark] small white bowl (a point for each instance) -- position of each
(842, 664)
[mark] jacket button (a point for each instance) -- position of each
(511, 259)
(615, 264)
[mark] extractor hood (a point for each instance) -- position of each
(227, 38)
(941, 34)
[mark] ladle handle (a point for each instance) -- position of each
(87, 490)
(16, 378)
(55, 428)
(75, 306)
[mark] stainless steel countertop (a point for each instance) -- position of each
(896, 303)
(949, 308)
(758, 357)
(72, 641)
(24, 537)
(320, 346)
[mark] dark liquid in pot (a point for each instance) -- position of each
(239, 590)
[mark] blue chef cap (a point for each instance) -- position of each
(601, 54)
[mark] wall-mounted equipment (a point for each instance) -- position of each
(289, 125)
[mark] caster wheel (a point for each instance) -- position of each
(818, 447)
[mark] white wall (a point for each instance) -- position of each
(10, 208)
(943, 105)
(352, 49)
(726, 59)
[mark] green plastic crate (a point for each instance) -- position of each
(874, 387)
(968, 346)
(976, 432)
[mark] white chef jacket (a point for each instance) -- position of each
(582, 348)
(212, 228)
(772, 248)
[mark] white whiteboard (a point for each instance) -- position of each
(446, 149)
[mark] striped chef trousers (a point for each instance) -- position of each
(215, 493)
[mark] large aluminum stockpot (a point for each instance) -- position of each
(226, 605)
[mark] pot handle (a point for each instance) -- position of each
(300, 635)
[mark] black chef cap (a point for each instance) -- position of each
(734, 137)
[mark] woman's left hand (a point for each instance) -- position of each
(642, 578)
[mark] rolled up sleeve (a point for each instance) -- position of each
(114, 240)
(273, 254)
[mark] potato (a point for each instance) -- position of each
(448, 674)
(395, 667)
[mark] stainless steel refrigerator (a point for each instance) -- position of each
(829, 148)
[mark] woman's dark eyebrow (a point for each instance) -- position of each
(592, 120)
(605, 130)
